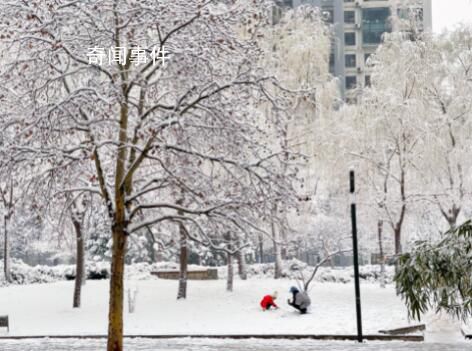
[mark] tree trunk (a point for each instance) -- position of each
(84, 260)
(150, 242)
(381, 254)
(398, 240)
(451, 215)
(115, 314)
(398, 247)
(277, 253)
(242, 268)
(123, 188)
(6, 247)
(182, 291)
(6, 220)
(283, 250)
(230, 275)
(278, 262)
(261, 249)
(79, 262)
(398, 225)
(453, 222)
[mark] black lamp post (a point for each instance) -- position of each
(355, 257)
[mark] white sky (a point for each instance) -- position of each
(447, 13)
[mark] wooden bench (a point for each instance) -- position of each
(4, 323)
(405, 330)
(207, 274)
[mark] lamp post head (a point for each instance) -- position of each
(351, 181)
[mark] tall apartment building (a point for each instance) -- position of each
(358, 28)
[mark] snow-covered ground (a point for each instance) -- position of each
(45, 309)
(187, 344)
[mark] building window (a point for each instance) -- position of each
(350, 39)
(350, 60)
(351, 82)
(288, 3)
(349, 17)
(348, 0)
(367, 82)
(375, 22)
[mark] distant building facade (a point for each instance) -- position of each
(358, 27)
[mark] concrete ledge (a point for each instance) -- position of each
(411, 338)
(404, 330)
(206, 274)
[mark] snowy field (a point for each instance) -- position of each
(45, 309)
(219, 345)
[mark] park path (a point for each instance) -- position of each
(218, 345)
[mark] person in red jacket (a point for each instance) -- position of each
(268, 301)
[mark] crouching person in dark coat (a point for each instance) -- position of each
(300, 300)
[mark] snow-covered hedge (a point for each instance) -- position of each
(24, 274)
(292, 269)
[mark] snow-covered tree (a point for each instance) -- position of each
(146, 129)
(296, 50)
(391, 119)
(22, 223)
(447, 92)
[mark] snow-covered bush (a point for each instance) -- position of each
(293, 268)
(25, 274)
(22, 273)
